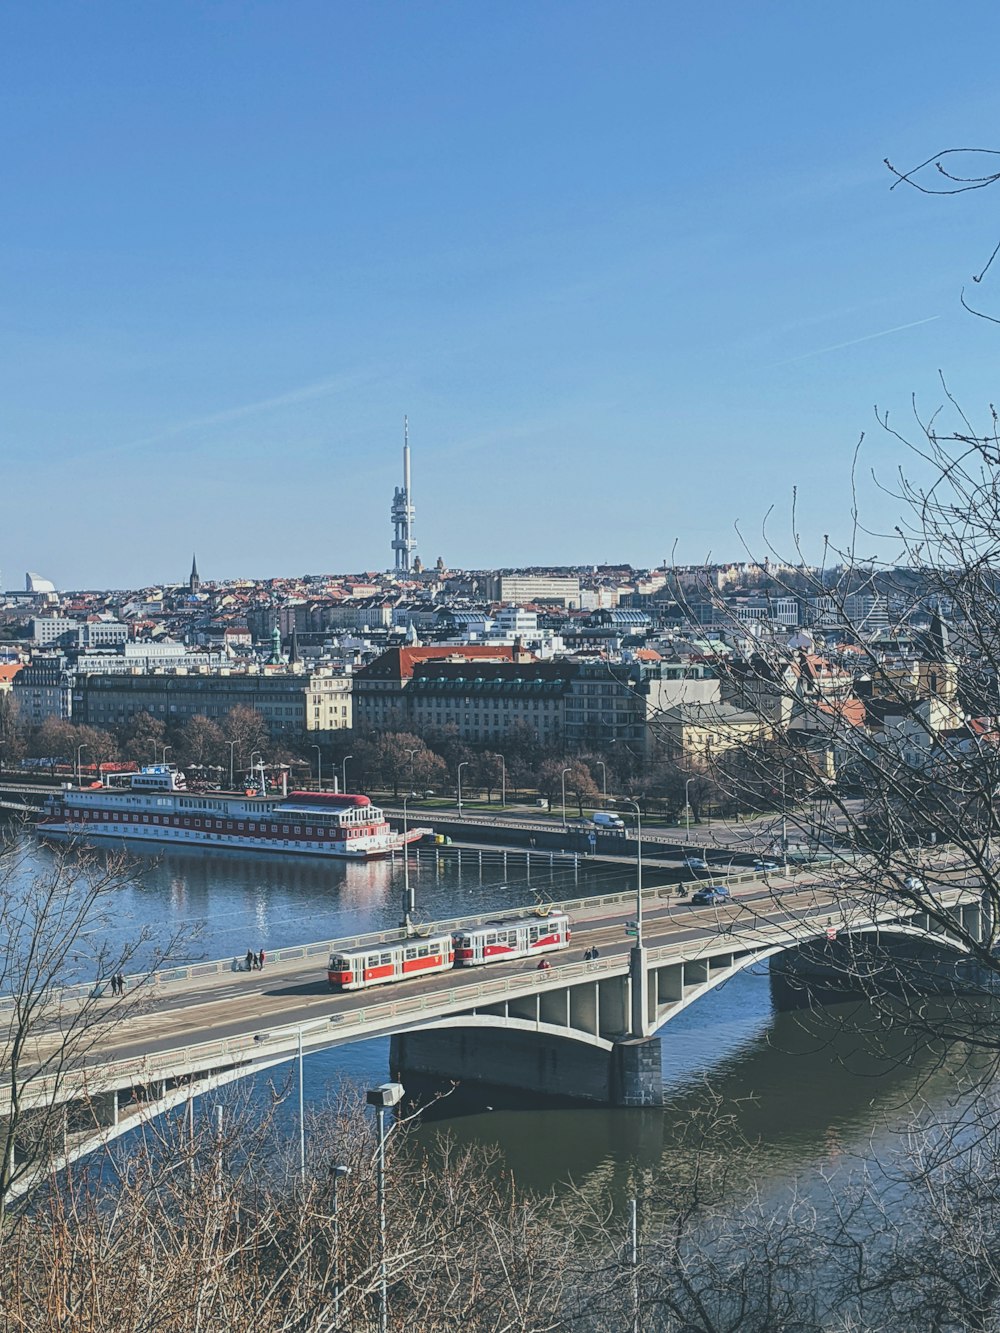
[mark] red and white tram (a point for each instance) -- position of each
(354, 969)
(523, 938)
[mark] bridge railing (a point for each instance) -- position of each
(176, 975)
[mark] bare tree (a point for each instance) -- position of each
(55, 922)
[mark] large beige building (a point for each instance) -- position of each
(520, 589)
(289, 702)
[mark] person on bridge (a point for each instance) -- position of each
(544, 965)
(260, 960)
(250, 960)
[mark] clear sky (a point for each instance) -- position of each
(633, 270)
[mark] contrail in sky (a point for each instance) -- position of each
(320, 389)
(854, 341)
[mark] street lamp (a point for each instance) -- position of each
(79, 776)
(411, 753)
(232, 777)
(637, 969)
(687, 811)
(463, 764)
(383, 1098)
(408, 902)
(343, 771)
(562, 779)
(604, 779)
(337, 1174)
(319, 767)
(503, 782)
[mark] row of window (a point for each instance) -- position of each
(222, 825)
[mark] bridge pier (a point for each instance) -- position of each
(534, 1062)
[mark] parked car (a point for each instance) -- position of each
(695, 863)
(765, 867)
(711, 893)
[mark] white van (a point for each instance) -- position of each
(606, 820)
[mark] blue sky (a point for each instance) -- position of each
(629, 268)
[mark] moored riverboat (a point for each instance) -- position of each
(155, 805)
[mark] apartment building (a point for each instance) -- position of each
(290, 703)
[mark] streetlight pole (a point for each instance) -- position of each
(562, 779)
(302, 1116)
(408, 902)
(338, 1173)
(79, 775)
(637, 967)
(232, 777)
(319, 768)
(410, 752)
(604, 779)
(463, 764)
(383, 1098)
(784, 824)
(687, 811)
(343, 770)
(503, 782)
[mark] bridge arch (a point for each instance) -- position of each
(671, 992)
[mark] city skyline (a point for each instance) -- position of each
(635, 278)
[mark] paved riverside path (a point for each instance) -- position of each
(295, 993)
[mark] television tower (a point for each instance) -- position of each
(402, 513)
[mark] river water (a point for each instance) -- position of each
(811, 1091)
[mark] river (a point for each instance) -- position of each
(810, 1090)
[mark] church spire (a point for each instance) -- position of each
(194, 582)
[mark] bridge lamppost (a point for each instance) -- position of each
(79, 772)
(503, 782)
(562, 779)
(343, 771)
(383, 1098)
(408, 898)
(232, 775)
(463, 764)
(319, 768)
(687, 811)
(637, 968)
(337, 1174)
(604, 779)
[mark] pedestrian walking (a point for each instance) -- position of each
(113, 983)
(250, 960)
(595, 952)
(260, 960)
(588, 955)
(121, 983)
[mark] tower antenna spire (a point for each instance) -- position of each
(402, 513)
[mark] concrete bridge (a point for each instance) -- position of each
(581, 1029)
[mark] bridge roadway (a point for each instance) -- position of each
(255, 1019)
